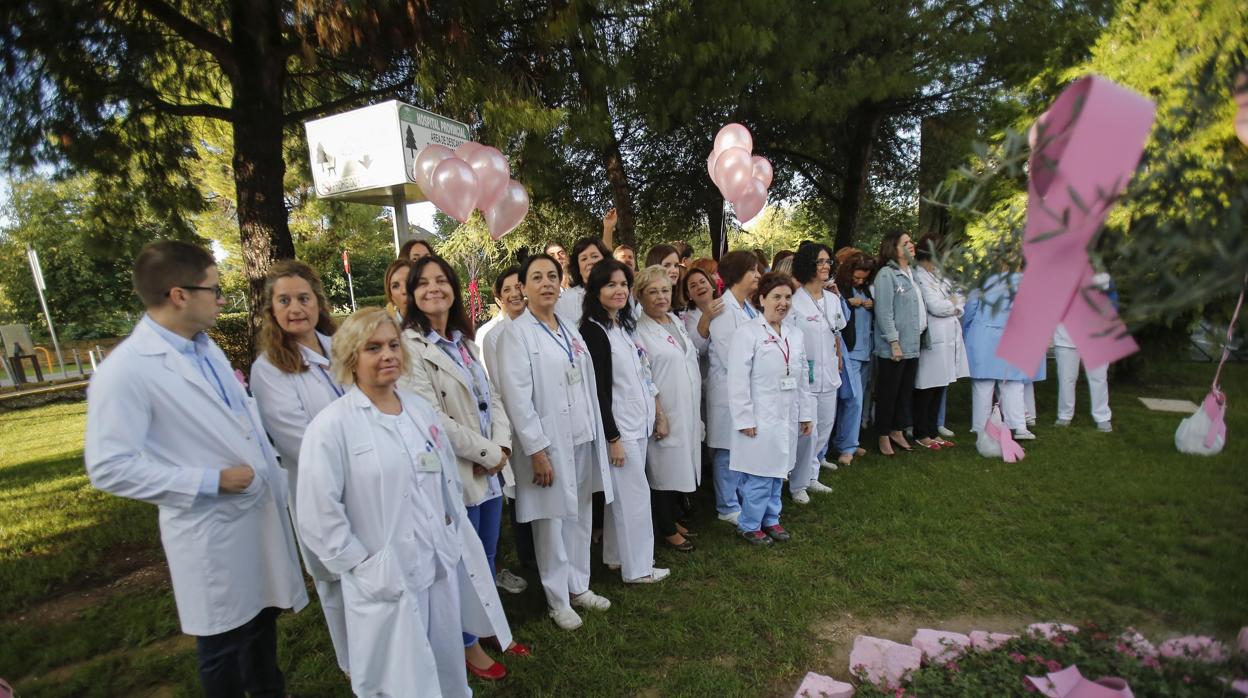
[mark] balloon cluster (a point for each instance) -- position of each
(473, 176)
(743, 178)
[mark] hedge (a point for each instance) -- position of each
(233, 334)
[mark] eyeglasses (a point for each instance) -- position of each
(823, 262)
(215, 289)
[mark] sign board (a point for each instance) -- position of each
(366, 155)
(16, 337)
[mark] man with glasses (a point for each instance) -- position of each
(168, 423)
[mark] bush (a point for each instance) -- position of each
(1097, 653)
(233, 334)
(365, 301)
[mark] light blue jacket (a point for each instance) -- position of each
(897, 313)
(864, 324)
(983, 323)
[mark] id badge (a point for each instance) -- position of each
(428, 463)
(788, 383)
(573, 375)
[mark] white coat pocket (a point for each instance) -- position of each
(377, 577)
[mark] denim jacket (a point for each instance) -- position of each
(897, 313)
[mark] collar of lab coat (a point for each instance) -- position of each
(313, 358)
(148, 341)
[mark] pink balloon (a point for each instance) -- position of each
(508, 211)
(762, 170)
(429, 157)
(733, 172)
(453, 188)
(734, 136)
(710, 165)
(467, 148)
(492, 172)
(751, 202)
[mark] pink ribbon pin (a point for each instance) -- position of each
(1092, 140)
(1011, 452)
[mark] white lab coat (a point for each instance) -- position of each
(674, 463)
(755, 371)
(945, 361)
(818, 328)
(154, 426)
(719, 429)
(570, 305)
(352, 502)
(691, 318)
(531, 377)
(487, 338)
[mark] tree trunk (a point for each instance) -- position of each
(863, 128)
(259, 169)
(715, 220)
(621, 192)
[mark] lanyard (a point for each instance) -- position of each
(783, 352)
(220, 386)
(749, 311)
(564, 343)
(329, 380)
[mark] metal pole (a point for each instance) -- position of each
(400, 219)
(37, 271)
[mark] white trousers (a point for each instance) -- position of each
(806, 467)
(562, 545)
(1029, 401)
(1068, 375)
(628, 530)
(1012, 409)
(439, 606)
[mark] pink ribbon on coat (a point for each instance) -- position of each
(1092, 140)
(1011, 452)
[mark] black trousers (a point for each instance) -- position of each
(522, 538)
(242, 661)
(665, 509)
(926, 411)
(894, 391)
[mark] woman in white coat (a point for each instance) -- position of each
(559, 453)
(943, 360)
(292, 384)
(817, 313)
(586, 252)
(628, 404)
(381, 504)
(447, 371)
(771, 408)
(702, 305)
(739, 271)
(674, 459)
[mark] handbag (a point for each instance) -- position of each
(1204, 432)
(997, 441)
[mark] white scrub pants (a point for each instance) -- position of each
(628, 528)
(1012, 408)
(1029, 401)
(806, 467)
(439, 607)
(1068, 375)
(562, 545)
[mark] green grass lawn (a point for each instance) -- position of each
(1113, 528)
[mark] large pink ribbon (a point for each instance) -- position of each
(1011, 452)
(1092, 140)
(1070, 683)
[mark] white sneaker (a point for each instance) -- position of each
(1023, 435)
(730, 518)
(510, 583)
(1031, 421)
(818, 487)
(657, 574)
(1106, 427)
(591, 601)
(566, 618)
(1061, 422)
(947, 433)
(829, 464)
(801, 497)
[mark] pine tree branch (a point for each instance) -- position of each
(193, 33)
(300, 115)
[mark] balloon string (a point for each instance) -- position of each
(474, 298)
(1230, 332)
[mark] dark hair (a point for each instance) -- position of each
(457, 318)
(890, 247)
(660, 252)
(780, 257)
(554, 244)
(849, 265)
(502, 278)
(735, 265)
(592, 308)
(282, 348)
(528, 262)
(405, 252)
(684, 286)
(168, 264)
(923, 248)
(771, 280)
(761, 256)
(574, 264)
(683, 249)
(805, 267)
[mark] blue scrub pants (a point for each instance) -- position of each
(849, 411)
(940, 416)
(760, 501)
(487, 521)
(727, 482)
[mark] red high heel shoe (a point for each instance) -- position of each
(496, 672)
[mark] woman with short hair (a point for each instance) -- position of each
(900, 319)
(699, 304)
(380, 504)
(291, 381)
(943, 360)
(414, 249)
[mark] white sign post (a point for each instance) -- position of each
(37, 271)
(346, 267)
(367, 155)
